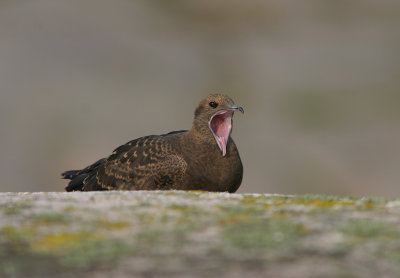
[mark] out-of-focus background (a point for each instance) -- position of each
(319, 81)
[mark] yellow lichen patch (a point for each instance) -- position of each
(278, 202)
(369, 205)
(61, 242)
(307, 200)
(69, 209)
(249, 199)
(23, 233)
(8, 231)
(111, 225)
(304, 230)
(321, 203)
(275, 201)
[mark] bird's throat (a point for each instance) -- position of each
(221, 125)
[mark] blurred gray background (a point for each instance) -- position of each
(319, 81)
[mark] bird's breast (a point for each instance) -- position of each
(209, 170)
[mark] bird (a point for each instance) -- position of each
(203, 158)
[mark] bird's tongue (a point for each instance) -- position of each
(220, 125)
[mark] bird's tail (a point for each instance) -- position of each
(69, 175)
(76, 177)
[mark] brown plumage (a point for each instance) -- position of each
(203, 158)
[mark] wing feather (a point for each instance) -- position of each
(144, 163)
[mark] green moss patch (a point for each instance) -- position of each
(371, 228)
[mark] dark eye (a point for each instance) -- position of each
(213, 104)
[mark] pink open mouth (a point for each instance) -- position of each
(220, 125)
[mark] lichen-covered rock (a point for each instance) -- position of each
(197, 234)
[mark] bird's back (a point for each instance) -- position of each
(132, 166)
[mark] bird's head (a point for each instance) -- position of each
(214, 115)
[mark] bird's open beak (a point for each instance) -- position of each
(234, 107)
(221, 125)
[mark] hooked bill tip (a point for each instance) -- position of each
(234, 107)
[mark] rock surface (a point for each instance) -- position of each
(197, 234)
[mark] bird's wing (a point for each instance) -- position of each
(144, 163)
